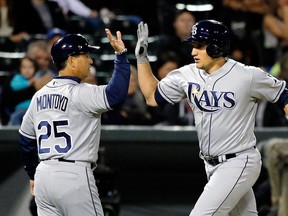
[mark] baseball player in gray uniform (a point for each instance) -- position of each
(61, 128)
(223, 95)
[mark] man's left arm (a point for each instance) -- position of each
(29, 152)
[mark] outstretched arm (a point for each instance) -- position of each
(147, 81)
(117, 87)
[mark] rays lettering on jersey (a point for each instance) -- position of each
(52, 101)
(210, 101)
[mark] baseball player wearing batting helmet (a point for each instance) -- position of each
(223, 95)
(62, 128)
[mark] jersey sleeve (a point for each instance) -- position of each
(170, 87)
(27, 126)
(91, 98)
(265, 86)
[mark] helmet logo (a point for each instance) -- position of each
(194, 30)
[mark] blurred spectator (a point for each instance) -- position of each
(273, 151)
(77, 7)
(17, 92)
(244, 19)
(276, 162)
(184, 20)
(117, 20)
(254, 6)
(37, 16)
(168, 114)
(92, 77)
(166, 62)
(107, 15)
(275, 24)
(53, 35)
(134, 110)
(182, 24)
(6, 19)
(38, 51)
(271, 194)
(7, 22)
(165, 114)
(272, 114)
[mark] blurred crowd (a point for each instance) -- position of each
(28, 28)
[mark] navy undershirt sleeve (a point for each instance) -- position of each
(284, 97)
(117, 87)
(158, 98)
(28, 148)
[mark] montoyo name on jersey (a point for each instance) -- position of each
(52, 101)
(210, 101)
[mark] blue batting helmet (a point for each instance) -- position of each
(69, 45)
(212, 33)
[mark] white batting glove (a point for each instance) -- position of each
(142, 43)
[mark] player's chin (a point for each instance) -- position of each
(198, 65)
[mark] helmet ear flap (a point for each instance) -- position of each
(217, 50)
(214, 51)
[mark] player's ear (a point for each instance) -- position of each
(71, 61)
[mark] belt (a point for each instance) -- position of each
(64, 160)
(222, 158)
(218, 159)
(92, 165)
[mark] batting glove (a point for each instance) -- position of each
(142, 43)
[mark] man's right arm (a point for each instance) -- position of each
(147, 81)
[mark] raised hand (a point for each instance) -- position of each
(117, 44)
(142, 43)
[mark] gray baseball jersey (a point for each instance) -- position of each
(62, 128)
(224, 105)
(60, 113)
(224, 102)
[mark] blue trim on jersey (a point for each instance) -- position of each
(26, 135)
(283, 86)
(28, 148)
(117, 87)
(76, 79)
